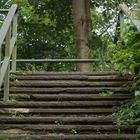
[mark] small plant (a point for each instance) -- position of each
(137, 93)
(13, 78)
(106, 93)
(57, 122)
(73, 131)
(15, 114)
(13, 98)
(12, 114)
(26, 138)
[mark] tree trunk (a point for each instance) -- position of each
(88, 18)
(82, 22)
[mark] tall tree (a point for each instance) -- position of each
(88, 18)
(82, 22)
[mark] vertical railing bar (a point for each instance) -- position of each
(8, 37)
(0, 56)
(14, 56)
(14, 53)
(121, 23)
(6, 84)
(0, 60)
(7, 54)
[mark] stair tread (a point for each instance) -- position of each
(75, 137)
(73, 77)
(66, 96)
(63, 127)
(69, 84)
(39, 119)
(58, 103)
(68, 73)
(52, 110)
(69, 89)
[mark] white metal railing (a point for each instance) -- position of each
(126, 11)
(8, 37)
(57, 60)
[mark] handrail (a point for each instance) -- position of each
(8, 33)
(57, 60)
(4, 10)
(125, 10)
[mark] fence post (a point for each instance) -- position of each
(7, 54)
(14, 53)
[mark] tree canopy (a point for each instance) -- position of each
(46, 30)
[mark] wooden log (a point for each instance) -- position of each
(72, 137)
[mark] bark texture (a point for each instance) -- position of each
(83, 27)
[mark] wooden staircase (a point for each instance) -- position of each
(65, 106)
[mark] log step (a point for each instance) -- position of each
(72, 77)
(58, 120)
(66, 106)
(73, 137)
(52, 111)
(66, 128)
(67, 73)
(70, 97)
(70, 84)
(59, 104)
(70, 89)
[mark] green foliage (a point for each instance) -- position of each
(106, 94)
(15, 114)
(46, 31)
(129, 114)
(73, 131)
(47, 67)
(13, 98)
(57, 122)
(4, 138)
(125, 54)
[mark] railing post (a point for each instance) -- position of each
(7, 54)
(0, 61)
(0, 55)
(121, 24)
(14, 53)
